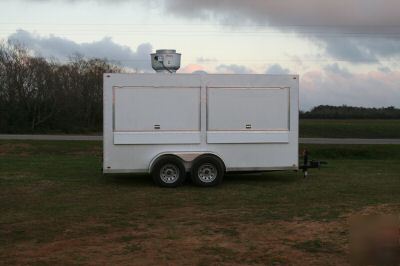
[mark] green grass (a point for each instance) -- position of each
(352, 128)
(315, 246)
(52, 190)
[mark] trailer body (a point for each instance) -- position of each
(250, 122)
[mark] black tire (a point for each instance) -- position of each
(168, 171)
(207, 171)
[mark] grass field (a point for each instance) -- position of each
(369, 129)
(57, 208)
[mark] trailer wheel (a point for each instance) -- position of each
(207, 171)
(168, 171)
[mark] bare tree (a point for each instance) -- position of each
(39, 95)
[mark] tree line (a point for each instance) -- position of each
(39, 95)
(349, 112)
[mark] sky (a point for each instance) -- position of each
(346, 51)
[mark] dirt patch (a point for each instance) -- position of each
(94, 151)
(15, 148)
(383, 209)
(187, 236)
(206, 241)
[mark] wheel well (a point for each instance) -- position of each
(187, 162)
(211, 155)
(162, 156)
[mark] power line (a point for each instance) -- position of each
(205, 24)
(220, 34)
(215, 31)
(264, 60)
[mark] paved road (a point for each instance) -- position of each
(50, 137)
(302, 140)
(349, 141)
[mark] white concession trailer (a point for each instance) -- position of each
(203, 125)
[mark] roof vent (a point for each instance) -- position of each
(167, 61)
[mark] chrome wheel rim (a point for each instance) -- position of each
(169, 173)
(207, 173)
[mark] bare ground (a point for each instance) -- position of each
(186, 237)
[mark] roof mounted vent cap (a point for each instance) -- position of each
(166, 61)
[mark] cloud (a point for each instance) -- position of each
(62, 49)
(277, 69)
(384, 69)
(354, 30)
(205, 60)
(191, 68)
(200, 72)
(294, 12)
(233, 69)
(348, 49)
(373, 89)
(336, 69)
(360, 49)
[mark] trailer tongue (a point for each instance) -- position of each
(310, 164)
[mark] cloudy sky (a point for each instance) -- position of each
(346, 51)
